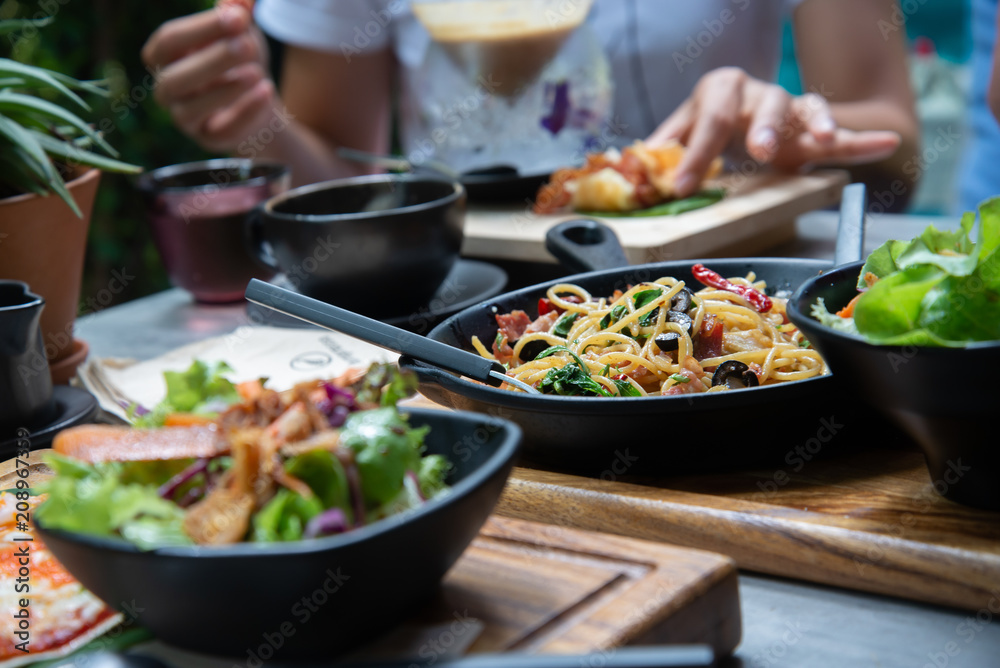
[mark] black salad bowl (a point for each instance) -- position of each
(936, 395)
(311, 598)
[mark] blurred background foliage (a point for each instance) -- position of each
(101, 39)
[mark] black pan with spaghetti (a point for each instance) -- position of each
(780, 424)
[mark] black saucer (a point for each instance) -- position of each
(501, 185)
(468, 283)
(73, 406)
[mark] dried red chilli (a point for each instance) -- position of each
(760, 301)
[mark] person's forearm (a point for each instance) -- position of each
(310, 158)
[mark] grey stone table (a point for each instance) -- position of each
(785, 622)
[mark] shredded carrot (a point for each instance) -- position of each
(848, 311)
(185, 420)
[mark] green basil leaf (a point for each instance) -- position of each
(625, 388)
(613, 316)
(565, 324)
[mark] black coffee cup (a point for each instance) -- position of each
(377, 245)
(25, 384)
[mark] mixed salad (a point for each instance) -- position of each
(939, 289)
(218, 463)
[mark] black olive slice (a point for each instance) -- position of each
(667, 341)
(533, 349)
(682, 301)
(735, 375)
(682, 319)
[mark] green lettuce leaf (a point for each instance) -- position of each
(323, 472)
(202, 388)
(433, 472)
(892, 306)
(940, 289)
(385, 447)
(284, 517)
(94, 499)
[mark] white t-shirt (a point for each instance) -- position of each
(614, 80)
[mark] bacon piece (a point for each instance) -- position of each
(708, 343)
(513, 324)
(502, 350)
(543, 323)
(693, 386)
(121, 443)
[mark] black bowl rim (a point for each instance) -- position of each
(505, 452)
(808, 323)
(458, 193)
(146, 181)
(549, 403)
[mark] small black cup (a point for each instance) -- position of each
(25, 384)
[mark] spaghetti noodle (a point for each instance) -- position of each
(657, 338)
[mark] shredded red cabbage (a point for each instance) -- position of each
(137, 409)
(328, 522)
(338, 405)
(170, 487)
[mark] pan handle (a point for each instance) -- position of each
(375, 332)
(585, 245)
(851, 226)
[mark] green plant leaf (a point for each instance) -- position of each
(21, 178)
(9, 26)
(74, 153)
(35, 158)
(27, 144)
(96, 87)
(38, 76)
(10, 101)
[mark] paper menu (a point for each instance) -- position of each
(284, 355)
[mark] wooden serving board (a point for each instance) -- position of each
(546, 589)
(867, 520)
(758, 212)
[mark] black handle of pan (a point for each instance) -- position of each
(585, 245)
(378, 333)
(851, 226)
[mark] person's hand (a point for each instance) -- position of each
(729, 106)
(212, 75)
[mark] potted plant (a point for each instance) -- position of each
(50, 165)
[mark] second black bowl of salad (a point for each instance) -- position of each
(915, 332)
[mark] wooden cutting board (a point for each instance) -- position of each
(542, 588)
(867, 520)
(534, 587)
(758, 212)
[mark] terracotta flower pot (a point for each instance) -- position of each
(42, 242)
